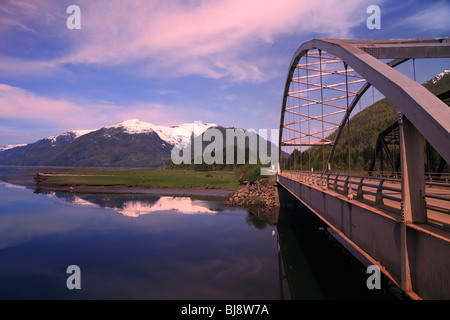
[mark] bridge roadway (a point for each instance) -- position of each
(366, 213)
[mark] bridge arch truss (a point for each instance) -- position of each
(327, 78)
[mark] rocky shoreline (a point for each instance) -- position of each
(255, 194)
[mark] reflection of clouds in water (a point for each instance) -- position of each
(11, 185)
(21, 227)
(225, 277)
(25, 216)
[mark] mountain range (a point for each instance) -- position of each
(130, 143)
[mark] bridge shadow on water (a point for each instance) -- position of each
(314, 265)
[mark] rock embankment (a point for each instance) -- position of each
(255, 194)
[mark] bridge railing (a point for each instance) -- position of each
(443, 177)
(381, 188)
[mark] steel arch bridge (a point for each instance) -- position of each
(326, 79)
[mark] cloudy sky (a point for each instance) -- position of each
(169, 62)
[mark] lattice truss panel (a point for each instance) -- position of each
(321, 89)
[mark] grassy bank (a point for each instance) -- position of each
(174, 179)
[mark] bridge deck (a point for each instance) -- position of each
(388, 198)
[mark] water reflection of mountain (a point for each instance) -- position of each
(137, 205)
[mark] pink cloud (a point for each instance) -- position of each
(62, 114)
(18, 103)
(213, 39)
(208, 38)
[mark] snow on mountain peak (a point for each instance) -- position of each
(170, 134)
(79, 133)
(11, 146)
(73, 133)
(440, 75)
(134, 126)
(182, 133)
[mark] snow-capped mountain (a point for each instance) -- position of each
(128, 143)
(170, 134)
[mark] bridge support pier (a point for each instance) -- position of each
(413, 196)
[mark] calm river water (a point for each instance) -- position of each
(165, 247)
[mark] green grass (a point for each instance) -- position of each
(174, 179)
